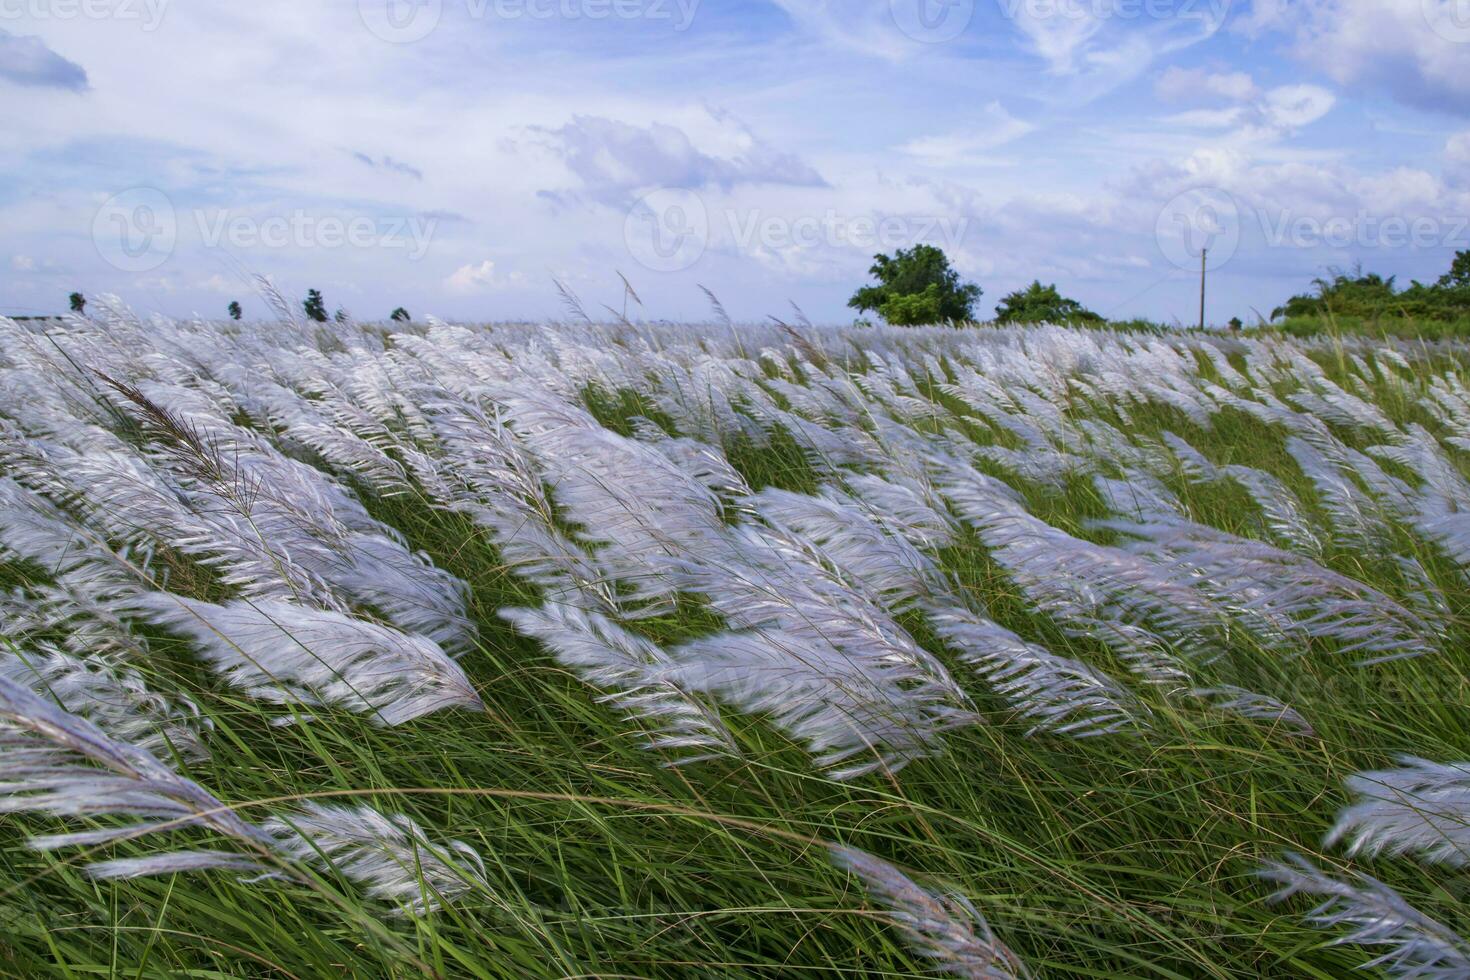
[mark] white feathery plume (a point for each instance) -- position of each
(390, 855)
(888, 565)
(1139, 497)
(1373, 914)
(906, 506)
(57, 763)
(766, 577)
(271, 527)
(1255, 707)
(114, 699)
(54, 762)
(944, 928)
(1357, 518)
(288, 654)
(642, 679)
(865, 684)
(1291, 599)
(1421, 593)
(638, 510)
(706, 464)
(1085, 583)
(122, 495)
(1046, 467)
(487, 474)
(855, 713)
(1192, 462)
(1331, 404)
(1422, 454)
(1420, 809)
(289, 508)
(1286, 517)
(88, 580)
(1146, 654)
(1064, 696)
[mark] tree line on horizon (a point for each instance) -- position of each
(919, 286)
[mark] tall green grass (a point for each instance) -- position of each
(1117, 857)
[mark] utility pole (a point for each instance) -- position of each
(1204, 256)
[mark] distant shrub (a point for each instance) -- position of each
(78, 303)
(315, 307)
(1043, 304)
(917, 286)
(400, 315)
(235, 311)
(1369, 296)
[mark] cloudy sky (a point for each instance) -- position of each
(456, 156)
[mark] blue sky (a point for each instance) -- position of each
(455, 156)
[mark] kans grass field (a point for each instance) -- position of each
(649, 650)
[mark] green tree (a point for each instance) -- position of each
(78, 303)
(1042, 304)
(1459, 275)
(917, 286)
(400, 315)
(1357, 295)
(315, 307)
(235, 311)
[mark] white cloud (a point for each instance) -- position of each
(1198, 84)
(996, 128)
(864, 26)
(1294, 106)
(22, 263)
(1261, 17)
(1058, 33)
(1457, 150)
(1414, 49)
(219, 284)
(1209, 118)
(1100, 46)
(1267, 118)
(612, 160)
(478, 277)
